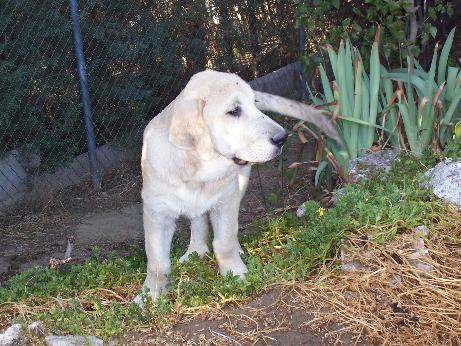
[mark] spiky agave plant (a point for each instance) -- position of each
(352, 98)
(427, 101)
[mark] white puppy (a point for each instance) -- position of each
(196, 160)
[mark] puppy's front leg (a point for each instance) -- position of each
(224, 219)
(158, 228)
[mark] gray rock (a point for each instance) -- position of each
(37, 329)
(13, 337)
(115, 341)
(73, 340)
(365, 165)
(445, 181)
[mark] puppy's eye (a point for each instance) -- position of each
(235, 112)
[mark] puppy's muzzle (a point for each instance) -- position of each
(279, 139)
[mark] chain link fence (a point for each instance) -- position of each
(139, 55)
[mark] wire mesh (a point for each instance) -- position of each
(139, 55)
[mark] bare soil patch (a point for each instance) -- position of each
(35, 231)
(275, 318)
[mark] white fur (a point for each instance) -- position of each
(188, 169)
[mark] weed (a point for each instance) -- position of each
(453, 149)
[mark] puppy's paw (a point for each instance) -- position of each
(237, 268)
(146, 294)
(139, 300)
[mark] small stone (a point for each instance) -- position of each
(37, 329)
(424, 267)
(422, 231)
(394, 281)
(73, 340)
(301, 211)
(349, 295)
(334, 197)
(349, 260)
(13, 337)
(420, 252)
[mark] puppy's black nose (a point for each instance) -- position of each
(279, 138)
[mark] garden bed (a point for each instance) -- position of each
(392, 302)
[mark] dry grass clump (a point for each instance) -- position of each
(395, 300)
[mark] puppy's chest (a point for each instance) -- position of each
(197, 197)
(210, 184)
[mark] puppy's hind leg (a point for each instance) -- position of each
(198, 237)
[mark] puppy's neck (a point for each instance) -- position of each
(210, 166)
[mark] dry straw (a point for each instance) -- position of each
(394, 301)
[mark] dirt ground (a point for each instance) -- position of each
(112, 218)
(275, 318)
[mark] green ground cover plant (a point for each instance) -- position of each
(95, 297)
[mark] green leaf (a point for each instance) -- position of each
(320, 169)
(354, 140)
(349, 73)
(451, 110)
(457, 130)
(442, 70)
(418, 83)
(363, 140)
(451, 81)
(428, 124)
(346, 22)
(333, 60)
(345, 107)
(433, 31)
(410, 128)
(356, 27)
(375, 78)
(326, 86)
(356, 11)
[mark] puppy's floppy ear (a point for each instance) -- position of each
(187, 129)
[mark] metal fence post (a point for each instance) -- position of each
(301, 47)
(85, 97)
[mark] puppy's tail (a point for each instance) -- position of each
(297, 110)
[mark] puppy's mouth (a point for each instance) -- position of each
(239, 162)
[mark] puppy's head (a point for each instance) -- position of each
(217, 110)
